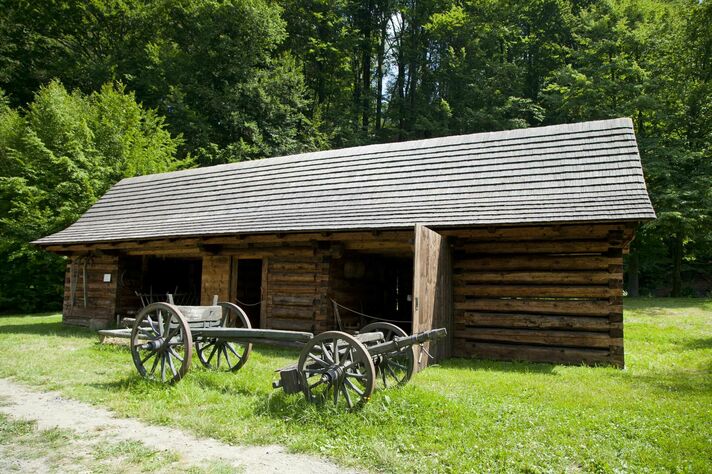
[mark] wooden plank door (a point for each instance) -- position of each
(432, 291)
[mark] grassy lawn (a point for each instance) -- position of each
(461, 416)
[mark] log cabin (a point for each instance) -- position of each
(512, 240)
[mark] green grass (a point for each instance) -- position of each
(654, 416)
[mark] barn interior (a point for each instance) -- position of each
(364, 286)
(146, 279)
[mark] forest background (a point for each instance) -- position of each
(98, 90)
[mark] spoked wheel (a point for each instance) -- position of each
(395, 367)
(161, 343)
(335, 367)
(222, 355)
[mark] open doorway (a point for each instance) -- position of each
(148, 279)
(249, 288)
(365, 288)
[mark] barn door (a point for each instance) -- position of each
(432, 290)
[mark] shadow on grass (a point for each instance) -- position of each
(666, 303)
(497, 366)
(699, 343)
(294, 408)
(675, 382)
(47, 328)
(127, 383)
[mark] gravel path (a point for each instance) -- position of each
(50, 409)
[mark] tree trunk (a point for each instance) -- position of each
(379, 73)
(676, 265)
(366, 50)
(633, 269)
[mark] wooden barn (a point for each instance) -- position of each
(512, 240)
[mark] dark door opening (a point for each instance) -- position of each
(148, 279)
(370, 288)
(249, 288)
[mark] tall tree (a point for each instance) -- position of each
(57, 157)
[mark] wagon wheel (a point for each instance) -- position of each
(395, 367)
(161, 343)
(215, 353)
(335, 366)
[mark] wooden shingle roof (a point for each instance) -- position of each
(564, 173)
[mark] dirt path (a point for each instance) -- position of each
(50, 410)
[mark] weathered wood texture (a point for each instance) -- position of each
(295, 288)
(216, 279)
(90, 302)
(294, 283)
(432, 289)
(550, 293)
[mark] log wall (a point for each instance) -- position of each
(216, 279)
(295, 286)
(294, 283)
(100, 308)
(549, 294)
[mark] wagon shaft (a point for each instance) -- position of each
(253, 335)
(400, 342)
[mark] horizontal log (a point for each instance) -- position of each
(536, 263)
(570, 277)
(292, 300)
(536, 291)
(571, 308)
(292, 289)
(563, 232)
(295, 277)
(313, 237)
(94, 300)
(290, 312)
(71, 321)
(582, 246)
(94, 286)
(294, 267)
(91, 313)
(465, 348)
(168, 252)
(539, 321)
(236, 240)
(538, 337)
(268, 253)
(289, 324)
(405, 245)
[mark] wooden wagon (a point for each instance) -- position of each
(333, 366)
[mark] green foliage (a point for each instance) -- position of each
(219, 80)
(57, 157)
(245, 79)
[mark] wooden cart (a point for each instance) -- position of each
(333, 366)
